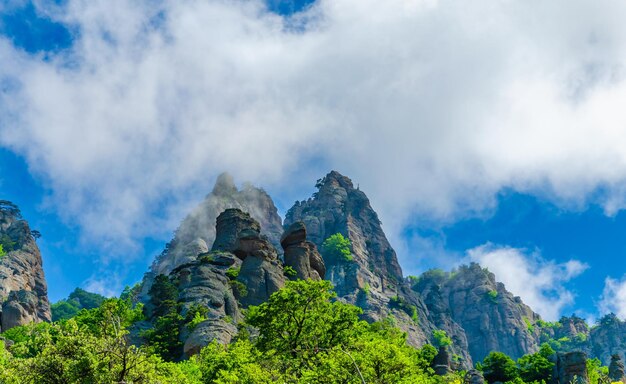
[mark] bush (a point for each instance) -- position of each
(337, 248)
(498, 367)
(441, 338)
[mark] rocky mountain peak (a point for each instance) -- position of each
(493, 318)
(338, 207)
(197, 232)
(23, 288)
(224, 185)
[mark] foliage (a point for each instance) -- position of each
(2, 251)
(498, 367)
(366, 289)
(77, 300)
(441, 338)
(163, 296)
(399, 303)
(493, 296)
(239, 289)
(288, 271)
(7, 243)
(536, 366)
(337, 248)
(529, 325)
(233, 272)
(195, 315)
(596, 372)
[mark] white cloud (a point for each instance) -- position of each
(539, 282)
(613, 299)
(431, 106)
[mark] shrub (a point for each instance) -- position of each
(289, 271)
(441, 338)
(492, 296)
(337, 247)
(233, 272)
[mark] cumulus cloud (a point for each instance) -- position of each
(613, 299)
(539, 282)
(431, 105)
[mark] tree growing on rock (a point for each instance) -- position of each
(337, 248)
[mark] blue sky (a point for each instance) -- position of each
(481, 133)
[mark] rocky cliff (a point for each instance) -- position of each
(240, 230)
(372, 277)
(241, 269)
(196, 234)
(23, 289)
(492, 318)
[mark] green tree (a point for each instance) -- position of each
(337, 248)
(498, 367)
(300, 319)
(536, 366)
(2, 252)
(441, 338)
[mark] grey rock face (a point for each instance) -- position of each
(571, 367)
(23, 288)
(302, 255)
(373, 279)
(616, 368)
(204, 281)
(492, 318)
(200, 223)
(441, 363)
(197, 232)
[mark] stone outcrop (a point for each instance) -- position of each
(473, 376)
(616, 369)
(300, 254)
(570, 367)
(197, 232)
(23, 288)
(199, 226)
(242, 269)
(372, 279)
(442, 364)
(491, 317)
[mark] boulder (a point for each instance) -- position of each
(473, 376)
(221, 330)
(229, 227)
(302, 255)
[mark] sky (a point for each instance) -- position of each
(486, 131)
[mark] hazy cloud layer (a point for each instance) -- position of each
(613, 298)
(539, 282)
(431, 106)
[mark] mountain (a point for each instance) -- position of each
(492, 318)
(233, 251)
(23, 288)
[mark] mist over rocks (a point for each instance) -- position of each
(23, 287)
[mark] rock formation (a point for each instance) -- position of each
(372, 279)
(302, 255)
(23, 289)
(473, 376)
(197, 232)
(570, 367)
(491, 317)
(616, 369)
(242, 269)
(442, 365)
